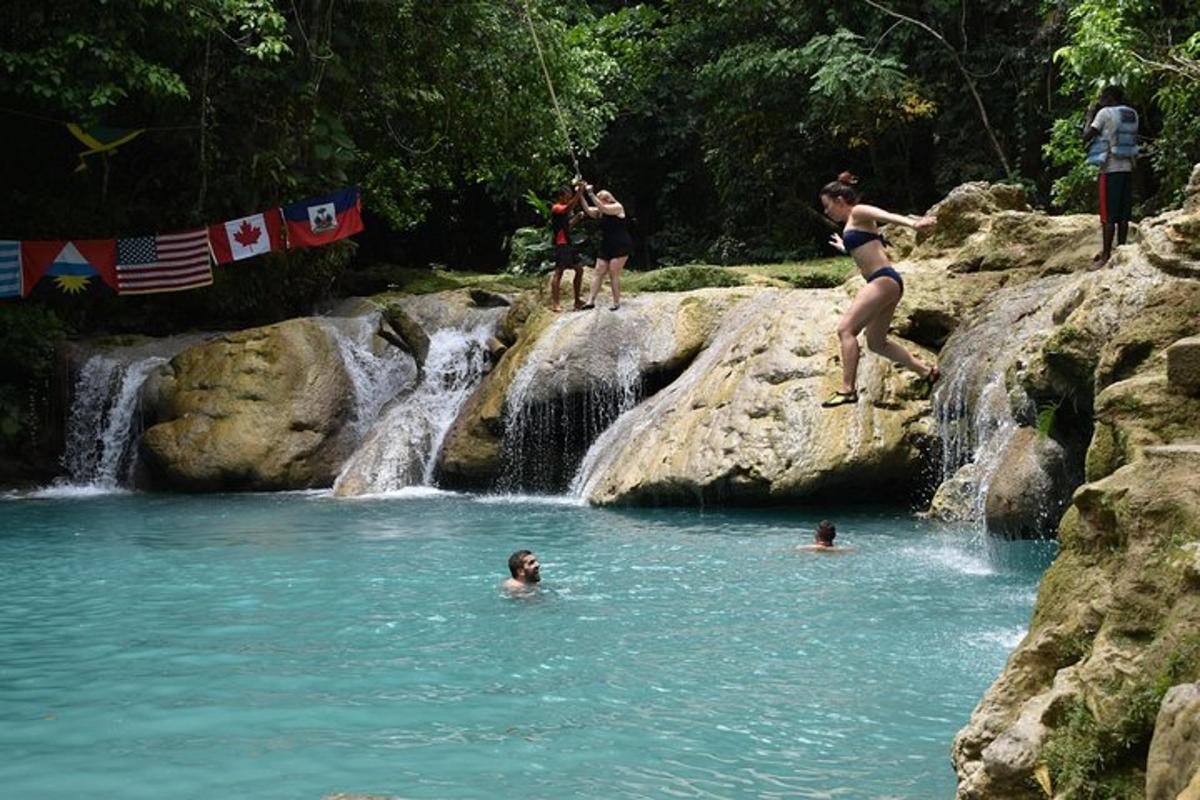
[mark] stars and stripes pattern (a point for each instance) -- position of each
(168, 263)
(10, 269)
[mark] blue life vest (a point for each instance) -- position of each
(1125, 146)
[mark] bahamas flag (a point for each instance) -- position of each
(323, 219)
(72, 264)
(10, 269)
(101, 140)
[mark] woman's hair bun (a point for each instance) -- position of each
(848, 178)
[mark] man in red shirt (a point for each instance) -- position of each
(565, 254)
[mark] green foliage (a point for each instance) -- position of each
(29, 339)
(682, 279)
(29, 336)
(1075, 189)
(1151, 50)
(530, 251)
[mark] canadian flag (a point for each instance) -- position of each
(246, 237)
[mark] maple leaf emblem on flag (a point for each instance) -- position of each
(248, 234)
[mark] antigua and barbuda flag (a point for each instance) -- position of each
(10, 269)
(246, 237)
(73, 264)
(323, 219)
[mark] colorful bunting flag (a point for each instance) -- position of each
(72, 263)
(246, 237)
(168, 263)
(10, 269)
(323, 219)
(101, 140)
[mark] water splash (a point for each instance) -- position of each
(402, 447)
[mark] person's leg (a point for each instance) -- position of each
(1124, 202)
(614, 277)
(879, 343)
(597, 280)
(868, 303)
(555, 289)
(578, 284)
(1107, 227)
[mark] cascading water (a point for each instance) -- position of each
(977, 412)
(105, 421)
(401, 449)
(546, 437)
(378, 370)
(105, 416)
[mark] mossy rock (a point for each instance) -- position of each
(683, 279)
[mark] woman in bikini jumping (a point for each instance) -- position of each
(875, 303)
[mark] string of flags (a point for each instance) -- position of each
(176, 261)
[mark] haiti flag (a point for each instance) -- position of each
(323, 219)
(73, 264)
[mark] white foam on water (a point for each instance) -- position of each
(1005, 638)
(73, 491)
(531, 499)
(404, 493)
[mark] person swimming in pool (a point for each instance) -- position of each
(823, 540)
(875, 304)
(524, 570)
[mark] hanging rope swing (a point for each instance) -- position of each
(562, 121)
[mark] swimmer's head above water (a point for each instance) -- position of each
(524, 568)
(823, 537)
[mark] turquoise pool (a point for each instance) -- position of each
(294, 645)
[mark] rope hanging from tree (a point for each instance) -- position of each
(562, 122)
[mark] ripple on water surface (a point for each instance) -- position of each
(294, 645)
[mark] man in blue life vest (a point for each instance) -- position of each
(1110, 132)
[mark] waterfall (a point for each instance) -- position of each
(105, 417)
(547, 432)
(976, 410)
(378, 370)
(105, 421)
(641, 421)
(402, 446)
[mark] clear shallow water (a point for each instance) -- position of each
(288, 646)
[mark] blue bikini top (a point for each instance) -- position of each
(853, 238)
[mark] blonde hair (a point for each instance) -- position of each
(606, 196)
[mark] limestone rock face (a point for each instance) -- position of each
(1172, 240)
(966, 210)
(568, 357)
(1174, 759)
(954, 500)
(1183, 366)
(264, 408)
(744, 422)
(1021, 500)
(1116, 617)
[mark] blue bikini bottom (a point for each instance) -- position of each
(887, 272)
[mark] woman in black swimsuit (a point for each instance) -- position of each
(615, 242)
(875, 303)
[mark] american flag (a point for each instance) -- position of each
(167, 263)
(10, 269)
